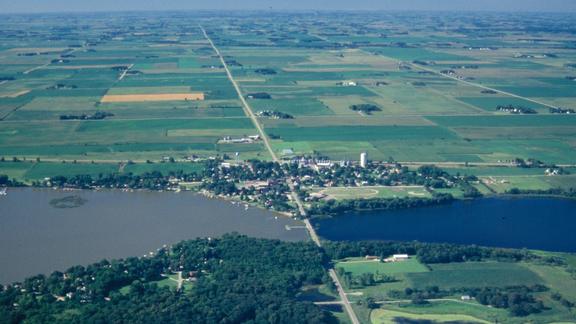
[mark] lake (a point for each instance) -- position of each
(545, 224)
(37, 235)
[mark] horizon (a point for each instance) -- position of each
(69, 6)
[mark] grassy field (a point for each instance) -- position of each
(382, 316)
(360, 266)
(474, 275)
(372, 192)
(502, 184)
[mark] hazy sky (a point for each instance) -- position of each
(7, 6)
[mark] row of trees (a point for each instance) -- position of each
(335, 207)
(570, 192)
(431, 253)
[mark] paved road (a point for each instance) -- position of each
(419, 67)
(295, 198)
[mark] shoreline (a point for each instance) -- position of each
(234, 201)
(202, 193)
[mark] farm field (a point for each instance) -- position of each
(453, 277)
(358, 266)
(162, 92)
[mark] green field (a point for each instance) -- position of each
(391, 316)
(360, 266)
(372, 192)
(475, 275)
(313, 72)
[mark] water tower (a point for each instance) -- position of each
(363, 159)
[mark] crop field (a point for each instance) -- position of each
(164, 92)
(360, 266)
(153, 97)
(452, 308)
(475, 275)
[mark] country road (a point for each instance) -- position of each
(295, 198)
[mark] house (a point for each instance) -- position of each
(397, 258)
(552, 172)
(400, 257)
(372, 257)
(348, 83)
(324, 164)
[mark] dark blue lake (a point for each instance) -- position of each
(545, 224)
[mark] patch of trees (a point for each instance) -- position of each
(516, 109)
(150, 180)
(363, 280)
(563, 301)
(239, 280)
(60, 86)
(275, 114)
(425, 63)
(5, 181)
(519, 300)
(99, 115)
(259, 95)
(565, 111)
(265, 71)
(120, 68)
(337, 207)
(570, 192)
(231, 62)
(365, 108)
(431, 253)
(419, 296)
(7, 78)
(533, 163)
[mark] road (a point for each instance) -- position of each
(295, 198)
(419, 67)
(125, 72)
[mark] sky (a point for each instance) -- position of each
(34, 6)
